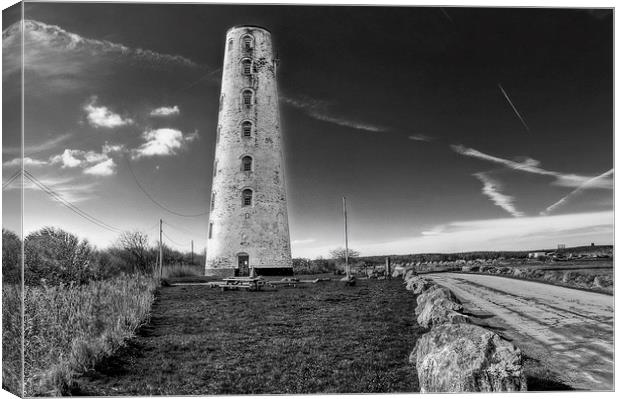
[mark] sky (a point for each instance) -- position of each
(447, 129)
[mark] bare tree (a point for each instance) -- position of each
(338, 254)
(134, 246)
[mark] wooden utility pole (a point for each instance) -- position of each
(192, 252)
(346, 238)
(161, 250)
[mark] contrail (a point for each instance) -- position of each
(513, 107)
(445, 13)
(575, 191)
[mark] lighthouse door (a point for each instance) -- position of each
(244, 264)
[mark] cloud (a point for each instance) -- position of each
(521, 233)
(92, 163)
(59, 61)
(66, 187)
(491, 188)
(576, 191)
(166, 111)
(319, 110)
(101, 116)
(532, 166)
(27, 162)
(104, 168)
(420, 137)
(68, 159)
(162, 142)
(36, 148)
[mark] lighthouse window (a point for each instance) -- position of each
(246, 164)
(217, 136)
(247, 197)
(215, 168)
(247, 97)
(246, 128)
(247, 67)
(211, 230)
(212, 200)
(230, 44)
(247, 43)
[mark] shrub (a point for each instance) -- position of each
(56, 256)
(69, 327)
(11, 257)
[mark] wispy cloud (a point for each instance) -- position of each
(513, 107)
(421, 137)
(162, 142)
(67, 187)
(491, 188)
(32, 149)
(576, 191)
(102, 116)
(532, 166)
(27, 162)
(166, 111)
(320, 110)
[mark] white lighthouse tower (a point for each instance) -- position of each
(248, 222)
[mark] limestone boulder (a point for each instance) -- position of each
(467, 358)
(417, 284)
(434, 314)
(439, 296)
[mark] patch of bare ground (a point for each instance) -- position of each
(321, 338)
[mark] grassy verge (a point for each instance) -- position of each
(319, 338)
(68, 328)
(12, 338)
(182, 271)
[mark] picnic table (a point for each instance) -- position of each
(247, 283)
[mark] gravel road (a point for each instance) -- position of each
(568, 331)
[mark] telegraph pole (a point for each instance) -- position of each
(161, 251)
(346, 238)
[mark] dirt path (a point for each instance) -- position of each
(568, 331)
(320, 338)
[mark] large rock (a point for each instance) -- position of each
(440, 296)
(434, 314)
(418, 284)
(467, 358)
(409, 273)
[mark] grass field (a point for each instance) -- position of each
(323, 338)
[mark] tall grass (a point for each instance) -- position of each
(12, 338)
(68, 328)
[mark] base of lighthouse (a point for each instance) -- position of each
(258, 271)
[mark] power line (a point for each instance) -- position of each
(171, 240)
(153, 200)
(10, 179)
(74, 208)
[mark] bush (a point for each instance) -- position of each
(69, 327)
(54, 256)
(11, 257)
(314, 266)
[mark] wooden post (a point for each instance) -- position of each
(388, 268)
(346, 238)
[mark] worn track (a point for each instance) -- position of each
(568, 331)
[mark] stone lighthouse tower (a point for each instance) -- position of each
(248, 223)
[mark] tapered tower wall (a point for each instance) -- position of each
(248, 156)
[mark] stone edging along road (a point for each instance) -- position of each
(456, 355)
(569, 331)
